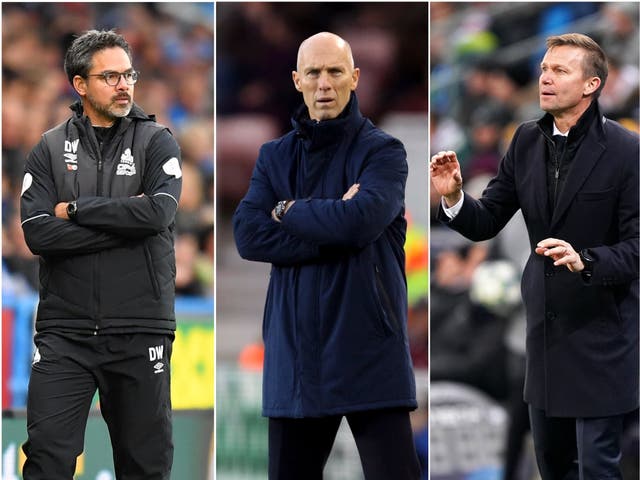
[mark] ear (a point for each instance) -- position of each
(355, 76)
(80, 84)
(591, 85)
(296, 80)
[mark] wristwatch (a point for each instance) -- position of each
(72, 209)
(281, 208)
(587, 261)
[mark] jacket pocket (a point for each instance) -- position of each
(153, 278)
(595, 196)
(388, 313)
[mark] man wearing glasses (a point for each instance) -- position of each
(99, 197)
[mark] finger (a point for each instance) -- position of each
(550, 243)
(565, 260)
(559, 251)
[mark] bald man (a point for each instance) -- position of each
(325, 207)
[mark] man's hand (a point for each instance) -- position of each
(446, 176)
(562, 253)
(61, 210)
(349, 194)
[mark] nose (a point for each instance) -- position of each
(545, 78)
(323, 81)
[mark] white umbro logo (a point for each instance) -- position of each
(156, 353)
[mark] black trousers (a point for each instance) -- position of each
(577, 448)
(299, 448)
(131, 373)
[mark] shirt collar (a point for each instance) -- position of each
(558, 132)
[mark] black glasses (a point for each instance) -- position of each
(113, 78)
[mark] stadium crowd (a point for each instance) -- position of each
(173, 51)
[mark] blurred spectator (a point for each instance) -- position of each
(173, 45)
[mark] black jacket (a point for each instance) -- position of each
(582, 334)
(112, 268)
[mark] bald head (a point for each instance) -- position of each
(325, 40)
(325, 75)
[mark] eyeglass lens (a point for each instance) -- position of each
(112, 78)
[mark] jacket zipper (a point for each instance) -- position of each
(557, 160)
(387, 301)
(96, 263)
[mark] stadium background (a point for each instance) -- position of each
(257, 46)
(173, 49)
(484, 64)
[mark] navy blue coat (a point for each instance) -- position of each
(582, 336)
(334, 324)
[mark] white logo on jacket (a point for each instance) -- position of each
(70, 154)
(172, 167)
(126, 165)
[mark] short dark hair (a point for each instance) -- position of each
(79, 56)
(594, 62)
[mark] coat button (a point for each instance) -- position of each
(551, 316)
(549, 274)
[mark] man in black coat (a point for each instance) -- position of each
(574, 174)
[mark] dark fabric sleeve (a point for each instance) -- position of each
(260, 238)
(618, 264)
(482, 219)
(360, 221)
(150, 213)
(44, 233)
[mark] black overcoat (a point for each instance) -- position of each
(582, 334)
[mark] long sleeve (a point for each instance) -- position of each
(45, 234)
(141, 216)
(260, 238)
(361, 220)
(482, 219)
(619, 263)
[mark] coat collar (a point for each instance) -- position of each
(576, 132)
(328, 132)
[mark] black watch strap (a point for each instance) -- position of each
(587, 261)
(72, 209)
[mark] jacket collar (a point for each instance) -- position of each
(327, 132)
(579, 129)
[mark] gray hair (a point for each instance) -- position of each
(79, 56)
